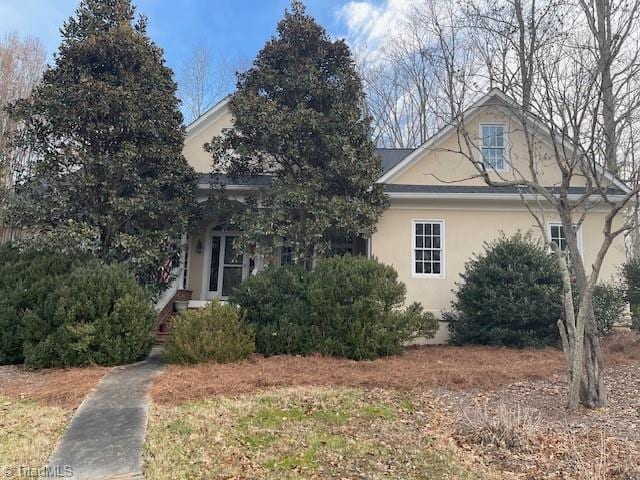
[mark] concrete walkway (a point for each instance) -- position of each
(105, 436)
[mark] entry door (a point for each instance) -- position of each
(227, 265)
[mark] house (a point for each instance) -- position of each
(440, 212)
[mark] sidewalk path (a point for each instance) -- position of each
(105, 436)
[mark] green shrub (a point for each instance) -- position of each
(28, 286)
(631, 273)
(349, 306)
(511, 295)
(211, 334)
(102, 316)
(60, 310)
(274, 302)
(609, 305)
(355, 308)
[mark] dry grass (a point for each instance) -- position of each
(513, 428)
(35, 407)
(419, 368)
(64, 388)
(313, 433)
(28, 433)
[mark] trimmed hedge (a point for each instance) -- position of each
(511, 294)
(211, 334)
(59, 311)
(348, 306)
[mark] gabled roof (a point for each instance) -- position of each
(390, 157)
(494, 94)
(208, 117)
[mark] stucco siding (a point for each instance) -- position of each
(193, 149)
(442, 163)
(467, 226)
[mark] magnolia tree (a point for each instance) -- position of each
(299, 118)
(106, 131)
(573, 72)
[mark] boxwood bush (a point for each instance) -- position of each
(609, 305)
(511, 294)
(348, 306)
(58, 310)
(102, 317)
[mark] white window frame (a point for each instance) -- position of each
(505, 137)
(415, 222)
(578, 235)
(206, 294)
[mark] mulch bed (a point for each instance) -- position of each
(585, 444)
(418, 368)
(65, 388)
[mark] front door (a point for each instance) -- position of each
(226, 267)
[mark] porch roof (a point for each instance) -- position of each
(389, 158)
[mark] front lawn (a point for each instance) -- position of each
(300, 433)
(434, 412)
(35, 407)
(28, 433)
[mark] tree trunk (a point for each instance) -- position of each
(583, 353)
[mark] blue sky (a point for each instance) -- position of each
(233, 28)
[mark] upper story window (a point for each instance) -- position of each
(493, 146)
(428, 248)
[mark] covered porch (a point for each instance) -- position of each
(213, 266)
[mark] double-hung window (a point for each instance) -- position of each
(428, 248)
(557, 236)
(493, 147)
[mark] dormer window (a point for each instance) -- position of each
(493, 144)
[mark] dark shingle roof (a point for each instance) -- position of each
(390, 157)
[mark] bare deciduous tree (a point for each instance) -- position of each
(22, 61)
(204, 79)
(410, 80)
(579, 97)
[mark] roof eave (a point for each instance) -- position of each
(484, 196)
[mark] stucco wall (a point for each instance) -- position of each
(442, 163)
(468, 224)
(193, 149)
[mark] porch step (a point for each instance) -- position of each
(161, 337)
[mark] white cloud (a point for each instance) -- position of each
(370, 23)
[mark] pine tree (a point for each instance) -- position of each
(106, 128)
(298, 115)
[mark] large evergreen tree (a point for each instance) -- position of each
(298, 116)
(107, 131)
